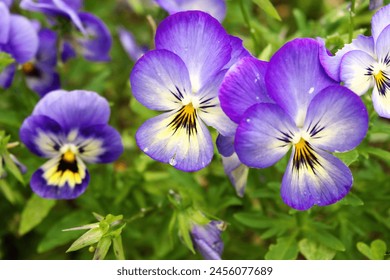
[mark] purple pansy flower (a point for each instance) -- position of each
(365, 63)
(18, 38)
(41, 74)
(242, 87)
(69, 128)
(216, 8)
(94, 45)
(207, 239)
(181, 77)
(311, 114)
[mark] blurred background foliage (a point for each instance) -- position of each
(259, 225)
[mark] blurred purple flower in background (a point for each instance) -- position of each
(95, 42)
(69, 128)
(130, 45)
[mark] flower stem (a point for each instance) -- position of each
(248, 23)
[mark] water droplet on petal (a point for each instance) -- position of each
(248, 120)
(172, 161)
(146, 150)
(311, 90)
(257, 98)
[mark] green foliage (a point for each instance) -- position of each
(377, 250)
(5, 60)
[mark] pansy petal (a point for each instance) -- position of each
(331, 63)
(67, 51)
(47, 50)
(23, 39)
(216, 8)
(237, 173)
(336, 120)
(41, 186)
(295, 75)
(185, 149)
(4, 23)
(74, 109)
(382, 46)
(354, 71)
(159, 80)
(264, 135)
(238, 51)
(199, 40)
(326, 183)
(243, 87)
(96, 44)
(99, 144)
(42, 135)
(43, 81)
(130, 45)
(7, 75)
(381, 103)
(209, 108)
(225, 145)
(380, 21)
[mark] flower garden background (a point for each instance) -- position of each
(232, 129)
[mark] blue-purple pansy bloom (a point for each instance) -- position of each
(311, 114)
(242, 87)
(133, 50)
(207, 239)
(94, 45)
(216, 8)
(40, 72)
(69, 128)
(365, 63)
(18, 38)
(181, 77)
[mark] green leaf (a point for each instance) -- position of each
(118, 248)
(56, 236)
(348, 157)
(286, 248)
(5, 60)
(253, 220)
(268, 8)
(11, 166)
(90, 237)
(102, 248)
(11, 194)
(266, 53)
(376, 251)
(184, 230)
(352, 199)
(35, 211)
(325, 238)
(314, 251)
(380, 153)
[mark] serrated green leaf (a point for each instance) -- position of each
(57, 237)
(315, 251)
(35, 211)
(90, 237)
(348, 157)
(268, 8)
(102, 248)
(286, 248)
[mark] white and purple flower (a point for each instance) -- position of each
(69, 128)
(94, 45)
(365, 63)
(309, 113)
(181, 78)
(207, 239)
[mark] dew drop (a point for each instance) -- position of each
(311, 90)
(257, 98)
(248, 120)
(172, 161)
(146, 150)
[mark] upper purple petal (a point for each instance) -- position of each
(243, 87)
(295, 75)
(47, 50)
(199, 40)
(74, 109)
(5, 22)
(7, 75)
(128, 42)
(238, 51)
(96, 44)
(379, 21)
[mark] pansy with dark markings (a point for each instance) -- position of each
(69, 128)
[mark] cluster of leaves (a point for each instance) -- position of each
(146, 205)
